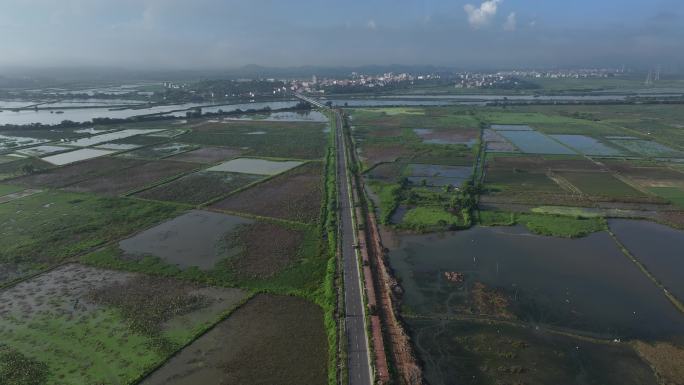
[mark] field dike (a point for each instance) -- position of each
(675, 301)
(405, 365)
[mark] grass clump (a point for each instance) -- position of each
(562, 226)
(17, 369)
(389, 195)
(429, 218)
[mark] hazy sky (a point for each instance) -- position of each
(229, 33)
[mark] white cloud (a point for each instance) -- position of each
(480, 17)
(371, 24)
(511, 23)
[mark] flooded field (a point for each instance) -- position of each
(255, 166)
(117, 146)
(89, 325)
(533, 142)
(647, 148)
(467, 137)
(469, 353)
(208, 154)
(269, 340)
(496, 143)
(192, 239)
(43, 150)
(146, 174)
(200, 187)
(587, 145)
(160, 151)
(437, 175)
(76, 156)
(289, 116)
(511, 127)
(108, 137)
(502, 306)
(11, 142)
(660, 248)
(584, 284)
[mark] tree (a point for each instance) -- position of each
(28, 169)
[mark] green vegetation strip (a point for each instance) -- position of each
(543, 224)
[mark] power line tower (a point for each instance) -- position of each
(649, 78)
(657, 74)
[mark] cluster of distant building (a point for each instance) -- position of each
(356, 80)
(360, 82)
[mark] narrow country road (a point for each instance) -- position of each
(357, 339)
(358, 355)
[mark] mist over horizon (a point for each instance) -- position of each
(211, 35)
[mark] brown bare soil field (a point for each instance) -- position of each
(295, 195)
(541, 164)
(270, 340)
(199, 187)
(387, 172)
(451, 136)
(372, 154)
(260, 259)
(207, 155)
(117, 183)
(667, 361)
(77, 172)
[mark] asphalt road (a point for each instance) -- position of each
(358, 356)
(357, 339)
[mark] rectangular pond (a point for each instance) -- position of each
(586, 285)
(438, 175)
(533, 142)
(75, 156)
(256, 166)
(660, 248)
(108, 137)
(42, 150)
(511, 127)
(647, 148)
(587, 145)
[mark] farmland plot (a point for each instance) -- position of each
(85, 325)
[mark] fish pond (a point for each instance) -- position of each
(533, 142)
(587, 145)
(498, 305)
(255, 166)
(438, 175)
(585, 285)
(647, 148)
(76, 156)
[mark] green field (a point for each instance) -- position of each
(90, 326)
(296, 140)
(601, 184)
(47, 228)
(672, 194)
(429, 219)
(8, 189)
(546, 224)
